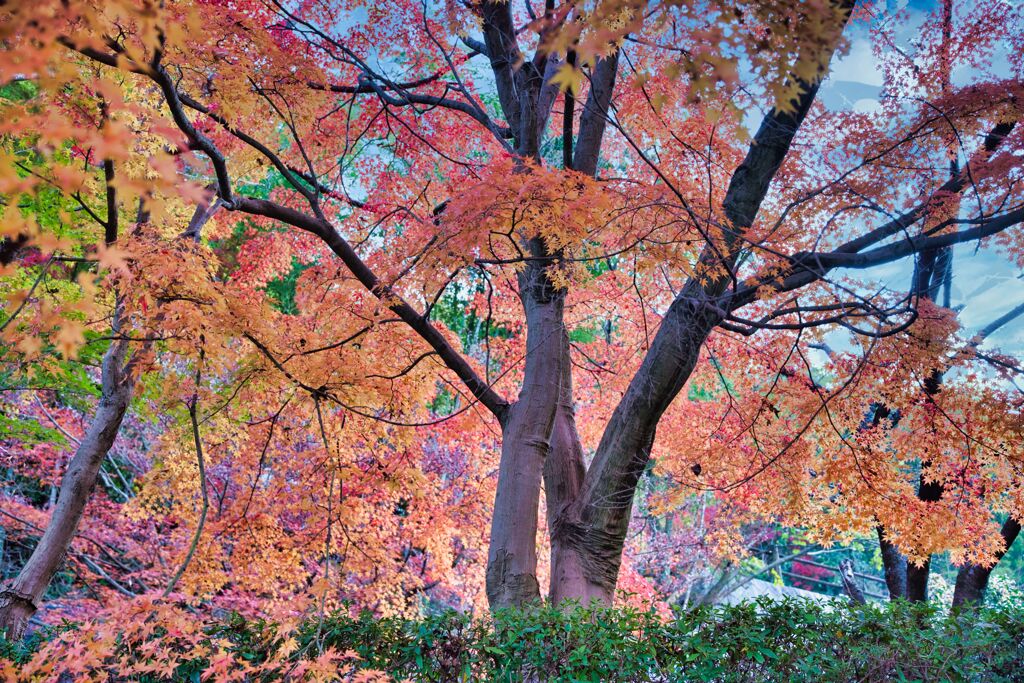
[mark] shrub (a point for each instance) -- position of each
(757, 641)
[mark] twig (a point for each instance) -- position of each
(202, 480)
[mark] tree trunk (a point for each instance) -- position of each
(972, 579)
(930, 274)
(512, 554)
(917, 581)
(928, 492)
(895, 566)
(590, 511)
(917, 575)
(571, 577)
(526, 437)
(894, 563)
(850, 582)
(931, 270)
(20, 600)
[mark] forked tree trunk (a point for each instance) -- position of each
(574, 575)
(564, 470)
(589, 511)
(539, 438)
(20, 600)
(594, 525)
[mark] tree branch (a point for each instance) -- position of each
(502, 49)
(318, 226)
(603, 507)
(482, 391)
(594, 118)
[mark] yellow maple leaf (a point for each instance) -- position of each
(49, 243)
(568, 78)
(289, 646)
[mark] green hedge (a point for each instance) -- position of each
(761, 641)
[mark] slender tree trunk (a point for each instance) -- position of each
(972, 579)
(928, 492)
(894, 564)
(20, 600)
(917, 575)
(934, 268)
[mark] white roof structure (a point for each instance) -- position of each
(755, 588)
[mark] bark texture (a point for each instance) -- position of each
(563, 479)
(850, 583)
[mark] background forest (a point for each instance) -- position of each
(327, 323)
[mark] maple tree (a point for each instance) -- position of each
(422, 244)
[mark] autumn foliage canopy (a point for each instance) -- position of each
(311, 304)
